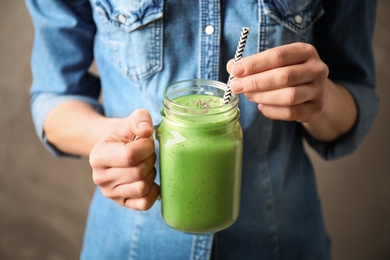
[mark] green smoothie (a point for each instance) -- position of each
(200, 165)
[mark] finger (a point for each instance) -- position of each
(132, 190)
(229, 65)
(302, 113)
(139, 123)
(111, 177)
(283, 97)
(281, 56)
(273, 79)
(118, 154)
(143, 203)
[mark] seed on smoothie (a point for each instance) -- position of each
(202, 103)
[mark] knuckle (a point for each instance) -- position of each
(286, 77)
(250, 84)
(292, 96)
(98, 178)
(93, 157)
(308, 49)
(108, 193)
(289, 114)
(147, 145)
(149, 142)
(129, 155)
(93, 161)
(324, 69)
(137, 173)
(278, 57)
(143, 204)
(141, 189)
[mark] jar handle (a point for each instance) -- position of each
(154, 136)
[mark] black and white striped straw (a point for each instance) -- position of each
(239, 51)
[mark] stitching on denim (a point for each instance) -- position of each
(271, 217)
(153, 64)
(135, 239)
(270, 200)
(202, 10)
(209, 44)
(310, 14)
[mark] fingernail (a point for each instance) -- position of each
(144, 126)
(236, 85)
(238, 69)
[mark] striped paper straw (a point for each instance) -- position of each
(239, 51)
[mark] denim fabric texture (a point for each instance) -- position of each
(142, 46)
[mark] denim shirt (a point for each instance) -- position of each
(141, 46)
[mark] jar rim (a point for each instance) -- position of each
(202, 86)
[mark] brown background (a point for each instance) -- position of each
(44, 200)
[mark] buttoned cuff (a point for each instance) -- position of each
(367, 104)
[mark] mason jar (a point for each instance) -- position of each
(200, 157)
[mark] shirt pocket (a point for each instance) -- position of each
(133, 30)
(296, 15)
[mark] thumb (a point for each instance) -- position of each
(141, 123)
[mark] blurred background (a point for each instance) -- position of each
(44, 200)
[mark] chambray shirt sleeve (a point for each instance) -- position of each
(343, 38)
(62, 54)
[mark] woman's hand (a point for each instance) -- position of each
(291, 82)
(288, 82)
(124, 167)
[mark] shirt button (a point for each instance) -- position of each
(298, 19)
(209, 29)
(122, 18)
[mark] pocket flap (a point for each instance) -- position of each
(130, 15)
(296, 15)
